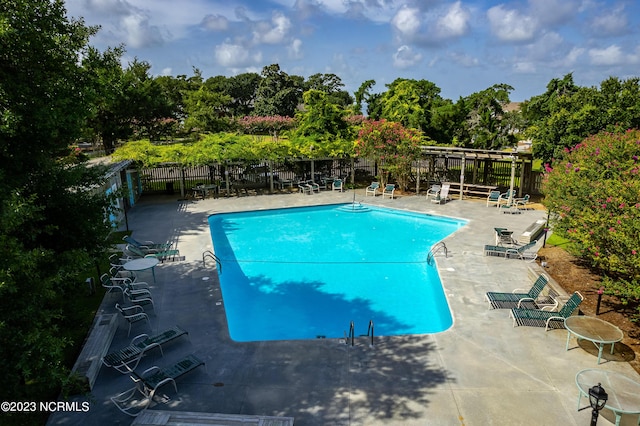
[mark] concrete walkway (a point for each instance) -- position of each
(481, 371)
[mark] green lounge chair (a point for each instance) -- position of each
(134, 251)
(538, 317)
(147, 246)
(135, 400)
(522, 252)
(515, 299)
(126, 359)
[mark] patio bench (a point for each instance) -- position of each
(95, 347)
(471, 189)
(168, 418)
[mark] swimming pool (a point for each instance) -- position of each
(307, 272)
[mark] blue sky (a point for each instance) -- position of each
(461, 46)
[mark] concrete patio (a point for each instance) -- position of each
(482, 371)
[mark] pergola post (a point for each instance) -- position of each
(462, 167)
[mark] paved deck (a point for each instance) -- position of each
(481, 371)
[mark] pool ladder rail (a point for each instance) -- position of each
(208, 254)
(436, 247)
(352, 333)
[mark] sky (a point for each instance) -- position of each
(463, 47)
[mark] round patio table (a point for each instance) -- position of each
(624, 393)
(594, 330)
(142, 264)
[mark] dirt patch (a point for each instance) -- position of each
(568, 271)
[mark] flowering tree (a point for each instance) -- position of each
(272, 125)
(392, 145)
(593, 194)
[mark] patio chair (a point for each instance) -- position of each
(147, 245)
(338, 185)
(138, 297)
(315, 187)
(134, 251)
(433, 191)
(389, 189)
(126, 359)
(493, 198)
(372, 189)
(538, 317)
(522, 202)
(443, 195)
(504, 237)
(505, 197)
(138, 398)
(133, 314)
(516, 297)
(303, 188)
(524, 252)
(111, 285)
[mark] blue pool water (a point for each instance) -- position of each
(301, 273)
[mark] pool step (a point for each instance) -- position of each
(354, 208)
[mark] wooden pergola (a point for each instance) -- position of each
(476, 155)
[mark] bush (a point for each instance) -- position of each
(592, 194)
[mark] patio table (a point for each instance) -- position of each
(142, 264)
(595, 330)
(624, 393)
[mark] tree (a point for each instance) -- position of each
(410, 102)
(242, 89)
(362, 95)
(392, 145)
(484, 120)
(123, 101)
(50, 225)
(593, 196)
(566, 114)
(278, 93)
(206, 110)
(332, 85)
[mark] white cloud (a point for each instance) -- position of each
(454, 23)
(552, 12)
(407, 21)
(612, 55)
(405, 57)
(295, 49)
(231, 55)
(139, 33)
(524, 67)
(215, 22)
(274, 32)
(166, 71)
(613, 23)
(511, 25)
(464, 59)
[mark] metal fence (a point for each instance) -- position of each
(172, 178)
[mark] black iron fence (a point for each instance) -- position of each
(172, 178)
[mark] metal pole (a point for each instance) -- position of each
(600, 293)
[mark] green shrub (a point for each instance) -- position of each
(592, 194)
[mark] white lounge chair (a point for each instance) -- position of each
(443, 195)
(433, 191)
